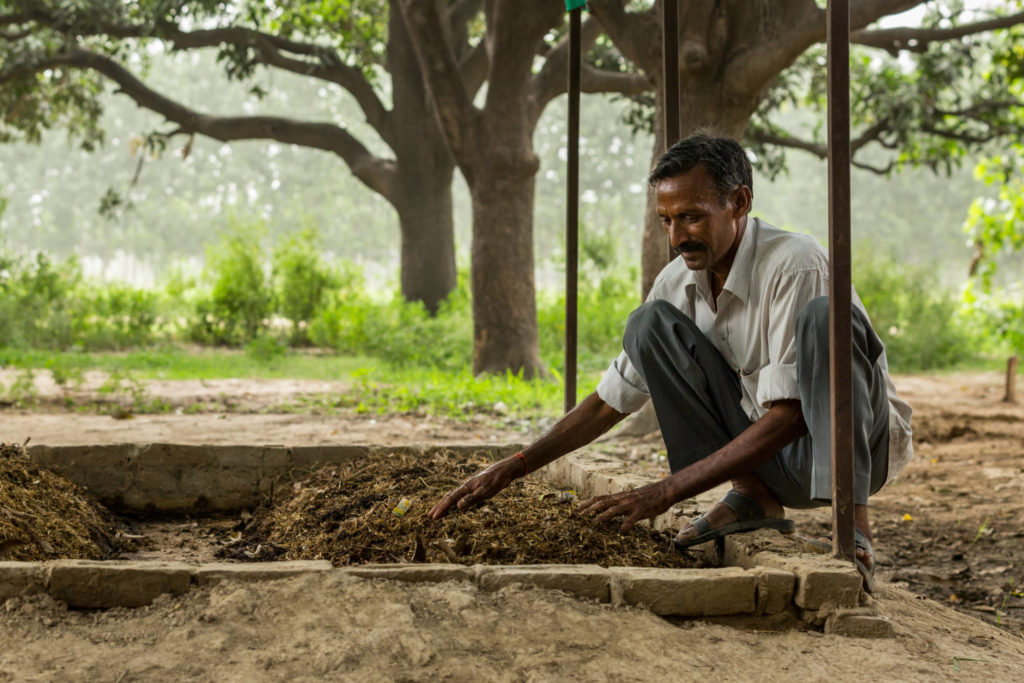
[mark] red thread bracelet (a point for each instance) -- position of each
(526, 468)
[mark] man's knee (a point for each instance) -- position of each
(650, 317)
(813, 322)
(813, 316)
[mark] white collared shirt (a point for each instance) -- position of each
(774, 274)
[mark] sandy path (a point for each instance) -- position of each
(338, 628)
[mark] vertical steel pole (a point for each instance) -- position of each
(572, 218)
(840, 348)
(670, 59)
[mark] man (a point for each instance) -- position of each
(732, 347)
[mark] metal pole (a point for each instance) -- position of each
(670, 58)
(572, 217)
(840, 353)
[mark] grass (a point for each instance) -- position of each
(177, 362)
(376, 387)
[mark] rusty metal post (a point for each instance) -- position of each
(840, 290)
(572, 211)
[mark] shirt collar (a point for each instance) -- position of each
(738, 282)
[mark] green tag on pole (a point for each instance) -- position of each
(570, 5)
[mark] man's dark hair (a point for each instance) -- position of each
(724, 159)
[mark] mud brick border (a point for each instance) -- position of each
(764, 574)
(91, 584)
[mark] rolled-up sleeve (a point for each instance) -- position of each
(777, 381)
(621, 387)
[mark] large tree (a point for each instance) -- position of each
(740, 59)
(55, 55)
(493, 146)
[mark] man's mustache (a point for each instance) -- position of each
(689, 245)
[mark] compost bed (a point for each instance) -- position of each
(374, 510)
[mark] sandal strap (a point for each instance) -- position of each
(744, 506)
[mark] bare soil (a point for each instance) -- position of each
(948, 535)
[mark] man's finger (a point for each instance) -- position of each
(633, 518)
(445, 504)
(614, 511)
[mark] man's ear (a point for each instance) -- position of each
(742, 198)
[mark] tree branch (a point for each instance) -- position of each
(754, 69)
(821, 151)
(636, 34)
(327, 67)
(474, 66)
(376, 173)
(893, 40)
(453, 103)
(551, 80)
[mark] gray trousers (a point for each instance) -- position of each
(696, 396)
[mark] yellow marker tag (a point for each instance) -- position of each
(402, 507)
(907, 518)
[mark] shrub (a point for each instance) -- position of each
(35, 301)
(913, 315)
(240, 300)
(114, 316)
(302, 281)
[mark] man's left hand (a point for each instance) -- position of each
(643, 503)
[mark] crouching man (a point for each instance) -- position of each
(732, 348)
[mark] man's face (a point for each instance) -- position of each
(700, 228)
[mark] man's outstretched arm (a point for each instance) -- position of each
(782, 424)
(581, 425)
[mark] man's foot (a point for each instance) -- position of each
(864, 554)
(721, 515)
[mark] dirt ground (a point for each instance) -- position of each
(949, 529)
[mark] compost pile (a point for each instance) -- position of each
(375, 510)
(44, 516)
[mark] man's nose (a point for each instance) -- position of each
(677, 233)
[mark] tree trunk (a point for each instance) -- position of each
(702, 105)
(423, 191)
(424, 205)
(504, 302)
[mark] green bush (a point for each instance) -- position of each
(603, 308)
(240, 301)
(915, 317)
(114, 317)
(997, 318)
(36, 301)
(302, 282)
(340, 322)
(405, 335)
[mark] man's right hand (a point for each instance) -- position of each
(479, 487)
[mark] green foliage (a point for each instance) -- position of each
(915, 318)
(401, 333)
(996, 225)
(341, 323)
(240, 300)
(266, 348)
(115, 316)
(998, 314)
(453, 394)
(927, 107)
(302, 281)
(36, 301)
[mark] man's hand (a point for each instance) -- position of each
(642, 503)
(479, 487)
